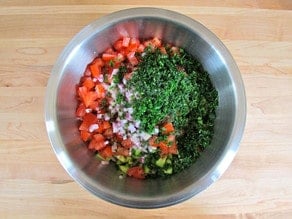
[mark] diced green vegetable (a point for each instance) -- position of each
(124, 168)
(161, 161)
(121, 158)
(136, 153)
(168, 171)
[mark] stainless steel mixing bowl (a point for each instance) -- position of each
(103, 180)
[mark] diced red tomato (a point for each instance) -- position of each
(167, 128)
(118, 138)
(127, 143)
(97, 143)
(103, 125)
(172, 149)
(120, 58)
(88, 83)
(98, 138)
(100, 91)
(80, 112)
(88, 119)
(169, 146)
(148, 43)
(128, 75)
(133, 45)
(126, 41)
(174, 49)
(94, 105)
(106, 152)
(164, 148)
(108, 133)
(85, 135)
(136, 172)
(95, 69)
(163, 50)
(106, 125)
(153, 141)
(108, 56)
(122, 151)
(141, 48)
(118, 45)
(87, 72)
(156, 42)
(87, 96)
(99, 62)
(109, 51)
(132, 58)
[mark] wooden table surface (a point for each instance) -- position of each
(258, 184)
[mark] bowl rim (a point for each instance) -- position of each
(238, 126)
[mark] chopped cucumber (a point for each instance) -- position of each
(99, 157)
(146, 169)
(124, 168)
(121, 158)
(168, 171)
(161, 161)
(136, 153)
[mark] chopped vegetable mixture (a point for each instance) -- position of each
(146, 106)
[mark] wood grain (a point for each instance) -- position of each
(258, 184)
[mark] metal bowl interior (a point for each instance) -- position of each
(103, 180)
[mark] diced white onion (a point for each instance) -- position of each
(131, 128)
(130, 110)
(151, 149)
(129, 117)
(106, 117)
(121, 87)
(137, 124)
(100, 78)
(93, 127)
(124, 81)
(115, 127)
(88, 110)
(115, 71)
(156, 130)
(145, 136)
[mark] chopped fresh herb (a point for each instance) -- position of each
(176, 88)
(111, 63)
